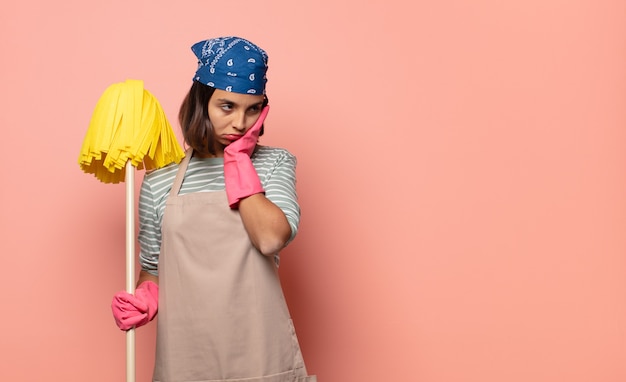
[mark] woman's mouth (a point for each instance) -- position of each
(232, 137)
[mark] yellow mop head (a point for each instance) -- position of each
(128, 124)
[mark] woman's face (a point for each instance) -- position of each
(232, 114)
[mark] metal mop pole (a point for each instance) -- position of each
(130, 265)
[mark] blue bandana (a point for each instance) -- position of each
(232, 64)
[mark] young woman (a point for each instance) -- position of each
(211, 229)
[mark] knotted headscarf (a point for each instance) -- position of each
(232, 64)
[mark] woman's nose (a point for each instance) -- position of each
(239, 121)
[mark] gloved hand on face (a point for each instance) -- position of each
(239, 174)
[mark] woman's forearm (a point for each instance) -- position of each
(265, 223)
(146, 276)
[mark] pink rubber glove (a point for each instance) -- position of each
(136, 310)
(239, 174)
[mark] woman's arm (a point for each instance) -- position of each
(146, 276)
(265, 223)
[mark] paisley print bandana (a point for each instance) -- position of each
(232, 64)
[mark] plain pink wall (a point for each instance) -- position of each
(461, 174)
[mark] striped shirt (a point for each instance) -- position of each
(276, 168)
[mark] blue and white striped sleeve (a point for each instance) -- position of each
(149, 230)
(279, 183)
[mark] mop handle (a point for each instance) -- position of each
(130, 265)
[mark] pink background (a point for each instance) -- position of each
(461, 174)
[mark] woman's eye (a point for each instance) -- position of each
(227, 107)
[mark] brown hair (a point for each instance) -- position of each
(194, 119)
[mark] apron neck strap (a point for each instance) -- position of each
(180, 175)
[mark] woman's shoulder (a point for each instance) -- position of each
(161, 174)
(268, 152)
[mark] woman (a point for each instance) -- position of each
(210, 232)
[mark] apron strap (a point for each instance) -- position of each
(180, 175)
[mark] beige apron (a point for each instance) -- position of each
(222, 314)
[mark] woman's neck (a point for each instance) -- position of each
(219, 152)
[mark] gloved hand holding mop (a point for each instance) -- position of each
(136, 310)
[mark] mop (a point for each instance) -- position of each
(128, 130)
